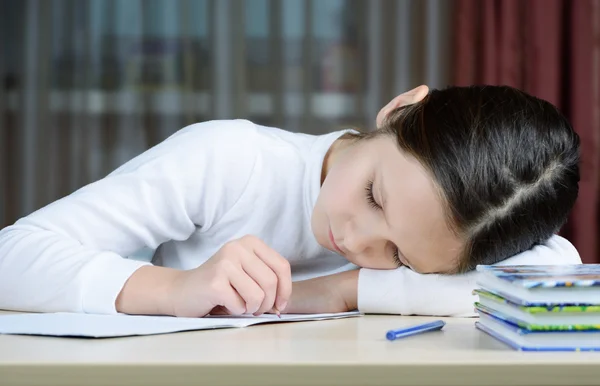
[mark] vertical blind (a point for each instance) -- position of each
(89, 84)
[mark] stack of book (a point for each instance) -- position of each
(541, 308)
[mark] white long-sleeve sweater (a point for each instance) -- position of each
(207, 184)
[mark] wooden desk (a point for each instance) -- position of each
(335, 352)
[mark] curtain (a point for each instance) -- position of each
(550, 49)
(89, 84)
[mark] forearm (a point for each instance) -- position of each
(147, 292)
(346, 284)
(333, 293)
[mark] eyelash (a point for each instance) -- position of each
(371, 197)
(375, 205)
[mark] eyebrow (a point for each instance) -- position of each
(383, 205)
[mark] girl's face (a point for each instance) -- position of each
(380, 209)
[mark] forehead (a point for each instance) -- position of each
(415, 210)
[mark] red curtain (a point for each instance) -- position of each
(550, 49)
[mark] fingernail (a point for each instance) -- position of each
(282, 306)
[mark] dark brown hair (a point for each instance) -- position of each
(505, 162)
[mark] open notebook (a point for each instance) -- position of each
(106, 326)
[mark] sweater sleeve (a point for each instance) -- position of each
(402, 291)
(69, 255)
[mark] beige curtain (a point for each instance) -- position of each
(89, 84)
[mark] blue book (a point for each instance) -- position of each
(543, 284)
(524, 339)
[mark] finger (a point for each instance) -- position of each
(247, 285)
(280, 266)
(231, 300)
(275, 311)
(266, 279)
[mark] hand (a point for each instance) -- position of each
(333, 293)
(244, 276)
(408, 98)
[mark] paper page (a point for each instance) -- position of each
(105, 326)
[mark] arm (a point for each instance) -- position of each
(68, 256)
(331, 293)
(405, 292)
(402, 291)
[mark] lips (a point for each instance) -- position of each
(333, 244)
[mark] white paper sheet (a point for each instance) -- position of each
(106, 326)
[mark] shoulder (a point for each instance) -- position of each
(232, 135)
(224, 147)
(204, 142)
(217, 133)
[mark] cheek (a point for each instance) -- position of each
(338, 194)
(343, 191)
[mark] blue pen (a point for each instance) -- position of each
(414, 330)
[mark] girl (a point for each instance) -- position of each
(252, 219)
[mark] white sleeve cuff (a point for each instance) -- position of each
(405, 292)
(102, 280)
(402, 291)
(382, 292)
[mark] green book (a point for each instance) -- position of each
(540, 317)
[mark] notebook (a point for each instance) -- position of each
(106, 326)
(540, 284)
(526, 340)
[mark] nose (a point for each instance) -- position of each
(354, 244)
(359, 242)
(365, 248)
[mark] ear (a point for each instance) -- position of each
(408, 98)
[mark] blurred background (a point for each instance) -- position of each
(88, 84)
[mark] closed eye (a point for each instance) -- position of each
(397, 258)
(371, 197)
(373, 203)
